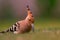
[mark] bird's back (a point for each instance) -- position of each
(24, 26)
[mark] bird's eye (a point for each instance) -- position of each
(29, 19)
(32, 16)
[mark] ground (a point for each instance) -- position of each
(44, 30)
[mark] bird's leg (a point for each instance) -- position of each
(32, 27)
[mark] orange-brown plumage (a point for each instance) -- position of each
(25, 25)
(22, 26)
(29, 16)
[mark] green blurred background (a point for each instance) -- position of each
(46, 8)
(40, 8)
(46, 14)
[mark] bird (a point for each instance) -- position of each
(22, 26)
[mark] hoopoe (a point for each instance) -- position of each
(30, 17)
(22, 26)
